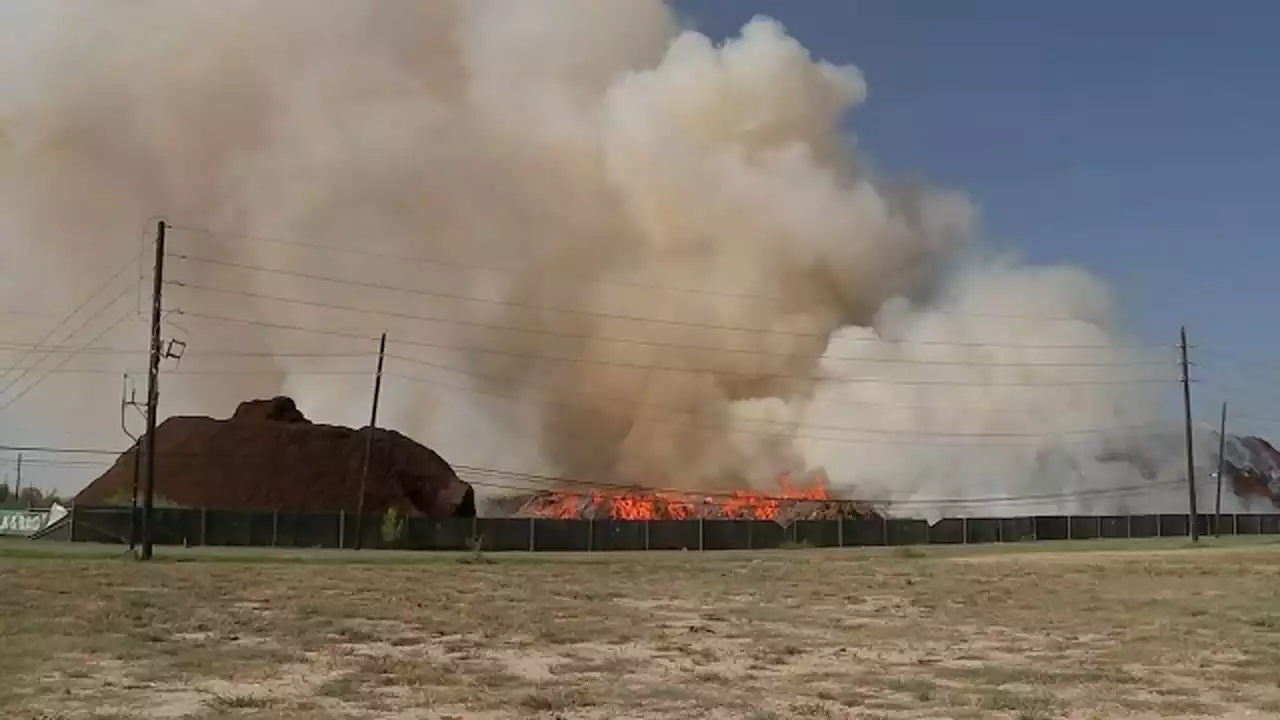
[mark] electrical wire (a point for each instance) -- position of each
(67, 359)
(15, 347)
(544, 480)
(917, 439)
(673, 369)
(30, 313)
(459, 264)
(583, 487)
(654, 343)
(1272, 371)
(116, 275)
(632, 318)
(449, 263)
(37, 462)
(472, 372)
(55, 349)
(613, 399)
(180, 372)
(1252, 391)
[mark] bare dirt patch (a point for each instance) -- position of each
(788, 634)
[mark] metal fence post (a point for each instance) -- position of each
(840, 533)
(1071, 527)
(342, 529)
(71, 524)
(964, 530)
(884, 531)
(204, 526)
(701, 533)
(591, 532)
(646, 533)
(1235, 530)
(1159, 526)
(532, 539)
(1128, 527)
(275, 527)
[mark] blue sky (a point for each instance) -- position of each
(1136, 138)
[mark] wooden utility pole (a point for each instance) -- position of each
(1192, 511)
(153, 395)
(17, 488)
(1222, 464)
(368, 446)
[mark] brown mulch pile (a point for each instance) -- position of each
(268, 456)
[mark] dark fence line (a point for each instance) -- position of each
(284, 529)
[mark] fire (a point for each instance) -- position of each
(631, 505)
(665, 505)
(758, 507)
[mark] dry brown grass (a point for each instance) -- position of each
(1143, 632)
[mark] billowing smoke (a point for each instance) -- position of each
(656, 259)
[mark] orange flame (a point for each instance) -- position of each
(661, 505)
(759, 507)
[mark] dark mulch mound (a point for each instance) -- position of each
(268, 456)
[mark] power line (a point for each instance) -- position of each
(464, 265)
(678, 369)
(473, 373)
(934, 407)
(55, 349)
(917, 439)
(13, 347)
(469, 373)
(68, 464)
(656, 343)
(66, 319)
(417, 361)
(547, 479)
(67, 359)
(1272, 370)
(30, 313)
(632, 318)
(1253, 390)
(544, 480)
(616, 399)
(490, 268)
(117, 371)
(350, 335)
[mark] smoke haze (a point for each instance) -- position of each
(659, 259)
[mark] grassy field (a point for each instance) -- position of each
(1151, 629)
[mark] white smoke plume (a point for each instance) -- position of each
(660, 259)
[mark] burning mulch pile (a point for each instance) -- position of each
(268, 456)
(1257, 477)
(789, 504)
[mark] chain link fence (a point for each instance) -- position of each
(284, 529)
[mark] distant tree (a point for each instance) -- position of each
(32, 497)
